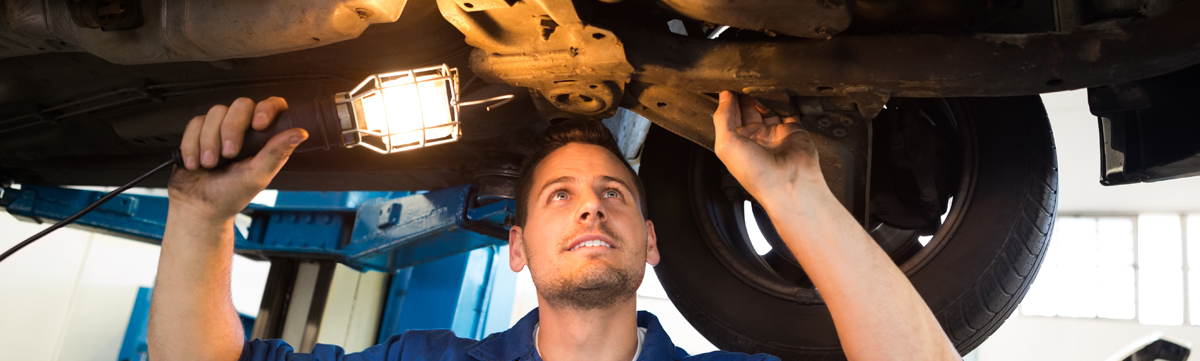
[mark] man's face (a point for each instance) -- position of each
(585, 239)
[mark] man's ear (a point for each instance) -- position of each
(652, 255)
(516, 249)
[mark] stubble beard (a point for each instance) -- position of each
(595, 288)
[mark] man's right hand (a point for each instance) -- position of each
(191, 315)
(219, 194)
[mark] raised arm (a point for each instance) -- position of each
(877, 312)
(192, 315)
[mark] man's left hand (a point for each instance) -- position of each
(764, 152)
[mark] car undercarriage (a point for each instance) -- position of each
(924, 112)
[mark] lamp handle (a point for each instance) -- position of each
(317, 117)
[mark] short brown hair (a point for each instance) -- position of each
(558, 136)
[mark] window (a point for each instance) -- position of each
(1160, 271)
(1120, 267)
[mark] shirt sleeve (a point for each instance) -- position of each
(277, 350)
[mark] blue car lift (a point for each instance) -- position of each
(445, 252)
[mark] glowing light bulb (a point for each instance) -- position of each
(397, 111)
(409, 112)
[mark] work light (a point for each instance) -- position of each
(398, 111)
(386, 113)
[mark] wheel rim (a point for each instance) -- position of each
(721, 206)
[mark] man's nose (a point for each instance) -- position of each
(591, 211)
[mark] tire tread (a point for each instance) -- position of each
(1029, 235)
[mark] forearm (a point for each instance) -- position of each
(192, 315)
(877, 312)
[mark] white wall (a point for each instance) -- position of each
(1067, 339)
(68, 296)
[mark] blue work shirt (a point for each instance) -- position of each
(514, 344)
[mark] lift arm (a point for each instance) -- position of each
(384, 234)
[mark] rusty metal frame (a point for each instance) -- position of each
(810, 19)
(574, 53)
(543, 45)
(668, 86)
(926, 65)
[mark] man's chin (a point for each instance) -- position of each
(599, 287)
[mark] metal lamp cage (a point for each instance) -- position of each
(355, 130)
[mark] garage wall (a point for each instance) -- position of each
(68, 296)
(1065, 338)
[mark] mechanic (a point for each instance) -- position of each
(581, 229)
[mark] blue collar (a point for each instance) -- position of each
(517, 342)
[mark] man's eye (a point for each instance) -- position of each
(559, 196)
(612, 194)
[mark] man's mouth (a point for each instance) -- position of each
(591, 243)
(591, 240)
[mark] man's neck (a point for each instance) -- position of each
(595, 335)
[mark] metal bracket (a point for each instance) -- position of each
(423, 227)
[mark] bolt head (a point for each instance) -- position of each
(846, 120)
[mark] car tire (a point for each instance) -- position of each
(973, 274)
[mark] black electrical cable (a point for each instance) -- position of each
(85, 210)
(313, 117)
